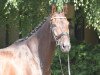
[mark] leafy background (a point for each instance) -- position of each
(26, 14)
(84, 60)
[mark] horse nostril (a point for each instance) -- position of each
(66, 46)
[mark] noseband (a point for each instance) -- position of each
(62, 34)
(58, 18)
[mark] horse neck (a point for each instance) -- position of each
(43, 46)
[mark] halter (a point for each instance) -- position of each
(57, 41)
(62, 34)
(59, 36)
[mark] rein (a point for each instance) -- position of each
(68, 60)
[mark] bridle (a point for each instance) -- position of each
(52, 27)
(56, 38)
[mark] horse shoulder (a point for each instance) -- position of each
(14, 66)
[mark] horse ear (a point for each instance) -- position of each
(53, 7)
(65, 9)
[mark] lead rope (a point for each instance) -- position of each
(61, 65)
(69, 73)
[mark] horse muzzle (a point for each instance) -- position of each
(65, 48)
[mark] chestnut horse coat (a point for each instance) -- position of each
(18, 60)
(30, 55)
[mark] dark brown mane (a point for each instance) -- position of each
(33, 31)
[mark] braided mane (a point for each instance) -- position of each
(33, 31)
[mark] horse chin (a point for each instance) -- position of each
(65, 50)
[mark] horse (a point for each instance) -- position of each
(33, 54)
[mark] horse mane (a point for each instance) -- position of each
(33, 31)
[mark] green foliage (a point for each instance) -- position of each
(59, 4)
(13, 3)
(23, 13)
(91, 9)
(33, 11)
(26, 14)
(84, 60)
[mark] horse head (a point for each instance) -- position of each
(60, 29)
